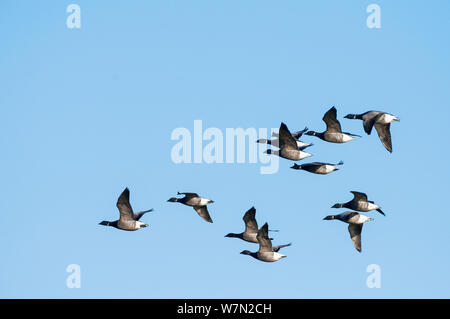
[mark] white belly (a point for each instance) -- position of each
(304, 155)
(372, 206)
(301, 144)
(347, 138)
(278, 256)
(362, 219)
(386, 118)
(329, 168)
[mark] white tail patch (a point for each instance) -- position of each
(204, 201)
(278, 256)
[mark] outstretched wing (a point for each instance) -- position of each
(287, 141)
(251, 226)
(123, 204)
(384, 132)
(355, 235)
(138, 216)
(202, 211)
(331, 121)
(265, 244)
(359, 196)
(299, 134)
(277, 248)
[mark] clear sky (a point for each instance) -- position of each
(87, 112)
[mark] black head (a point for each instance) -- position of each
(269, 151)
(331, 217)
(246, 252)
(312, 133)
(337, 206)
(173, 199)
(104, 223)
(231, 235)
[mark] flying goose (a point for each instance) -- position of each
(382, 122)
(288, 146)
(195, 201)
(360, 203)
(318, 167)
(355, 221)
(251, 227)
(266, 251)
(128, 220)
(333, 132)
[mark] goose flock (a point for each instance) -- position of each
(291, 148)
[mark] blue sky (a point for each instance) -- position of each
(87, 112)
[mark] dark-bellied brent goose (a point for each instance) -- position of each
(355, 221)
(382, 122)
(251, 227)
(288, 146)
(360, 203)
(128, 220)
(333, 133)
(195, 201)
(318, 167)
(266, 252)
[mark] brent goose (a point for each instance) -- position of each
(355, 221)
(382, 122)
(266, 252)
(333, 132)
(360, 203)
(195, 201)
(318, 167)
(251, 227)
(288, 146)
(128, 220)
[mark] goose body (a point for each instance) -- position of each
(288, 146)
(128, 220)
(318, 167)
(355, 221)
(333, 133)
(251, 227)
(382, 123)
(195, 201)
(359, 203)
(266, 252)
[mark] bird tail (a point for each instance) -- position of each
(381, 212)
(340, 163)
